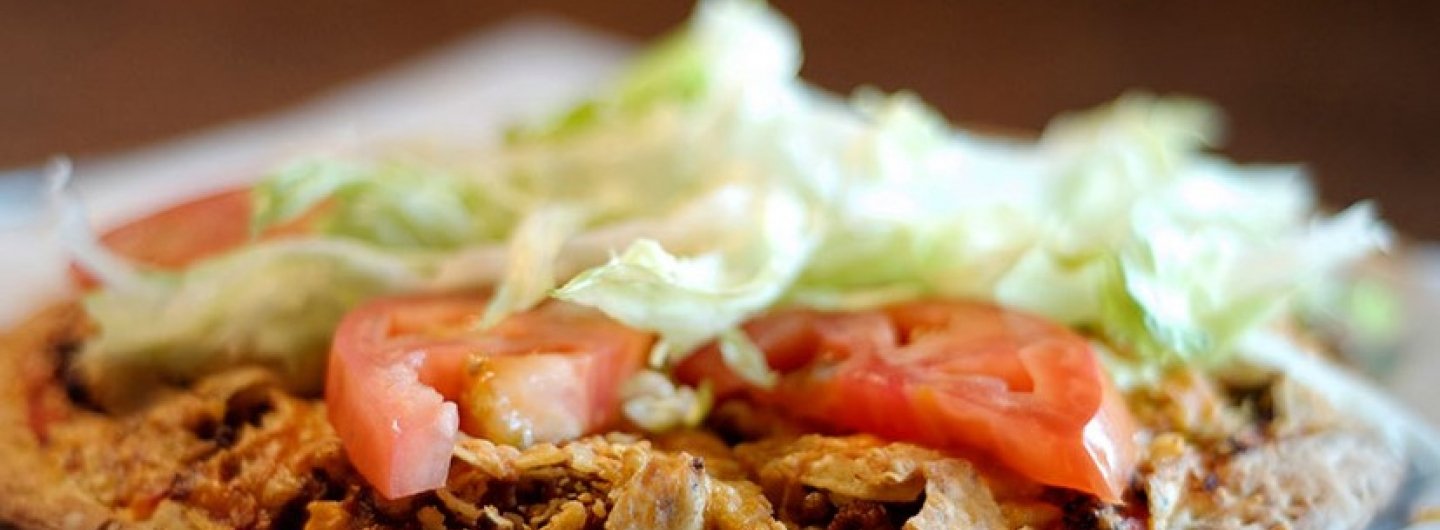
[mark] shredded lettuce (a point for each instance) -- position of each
(656, 403)
(726, 45)
(690, 300)
(273, 305)
(530, 268)
(389, 204)
(73, 229)
(708, 184)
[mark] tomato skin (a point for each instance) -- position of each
(189, 231)
(948, 374)
(398, 364)
(419, 426)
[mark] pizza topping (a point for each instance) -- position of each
(955, 497)
(398, 367)
(182, 234)
(819, 479)
(200, 228)
(256, 306)
(665, 493)
(954, 375)
(655, 403)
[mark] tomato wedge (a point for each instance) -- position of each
(186, 232)
(948, 374)
(397, 365)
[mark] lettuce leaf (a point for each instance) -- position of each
(530, 268)
(694, 299)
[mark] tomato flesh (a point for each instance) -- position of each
(397, 366)
(956, 375)
(504, 406)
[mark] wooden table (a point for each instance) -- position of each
(1349, 88)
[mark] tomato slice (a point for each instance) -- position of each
(397, 365)
(181, 234)
(948, 374)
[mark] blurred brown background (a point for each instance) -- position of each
(1349, 88)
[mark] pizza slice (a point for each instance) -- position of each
(712, 296)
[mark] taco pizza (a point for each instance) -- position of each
(714, 297)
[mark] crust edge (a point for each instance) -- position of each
(35, 492)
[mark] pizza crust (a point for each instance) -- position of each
(35, 492)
